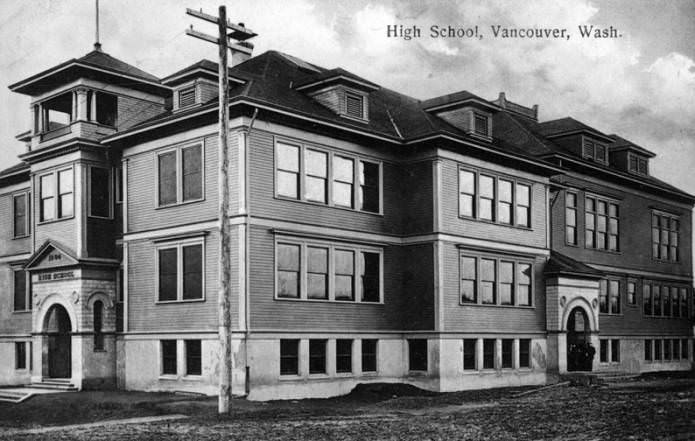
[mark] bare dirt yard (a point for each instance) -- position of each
(656, 407)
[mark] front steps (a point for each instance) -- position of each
(63, 384)
(14, 395)
(587, 378)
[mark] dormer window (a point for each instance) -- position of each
(594, 151)
(354, 105)
(481, 124)
(638, 164)
(187, 97)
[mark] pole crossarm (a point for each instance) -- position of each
(240, 33)
(211, 39)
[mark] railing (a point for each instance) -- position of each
(55, 133)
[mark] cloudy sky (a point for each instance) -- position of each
(641, 86)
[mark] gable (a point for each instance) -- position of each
(50, 255)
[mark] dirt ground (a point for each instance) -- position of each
(656, 407)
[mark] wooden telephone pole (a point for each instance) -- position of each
(238, 33)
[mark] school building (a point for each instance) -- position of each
(450, 243)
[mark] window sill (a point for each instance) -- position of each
(91, 216)
(168, 377)
(491, 305)
(327, 205)
(174, 302)
(342, 302)
(370, 374)
(178, 204)
(319, 376)
(26, 236)
(290, 377)
(52, 221)
(344, 374)
(614, 252)
(24, 311)
(611, 314)
(499, 224)
(192, 378)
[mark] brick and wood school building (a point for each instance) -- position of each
(451, 243)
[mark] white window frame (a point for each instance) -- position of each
(27, 211)
(178, 245)
(179, 174)
(356, 158)
(56, 196)
(89, 192)
(332, 247)
(28, 288)
(477, 173)
(478, 256)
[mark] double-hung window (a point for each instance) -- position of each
(318, 176)
(180, 269)
(609, 297)
(665, 231)
(601, 224)
(180, 175)
(20, 214)
(56, 195)
(571, 218)
(328, 271)
(500, 281)
(21, 290)
(487, 197)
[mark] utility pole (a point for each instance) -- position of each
(239, 33)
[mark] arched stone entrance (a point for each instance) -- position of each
(578, 340)
(57, 328)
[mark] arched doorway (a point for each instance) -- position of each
(579, 350)
(57, 327)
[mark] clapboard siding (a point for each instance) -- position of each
(452, 223)
(144, 314)
(632, 320)
(143, 213)
(269, 313)
(635, 225)
(479, 318)
(265, 204)
(8, 244)
(11, 322)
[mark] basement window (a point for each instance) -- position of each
(417, 354)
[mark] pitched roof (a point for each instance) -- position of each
(562, 126)
(559, 264)
(453, 98)
(620, 143)
(94, 64)
(15, 169)
(101, 59)
(331, 75)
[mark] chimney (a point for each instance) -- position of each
(502, 100)
(241, 50)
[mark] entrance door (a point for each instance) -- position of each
(59, 343)
(580, 353)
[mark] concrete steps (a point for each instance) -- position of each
(615, 376)
(14, 396)
(55, 384)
